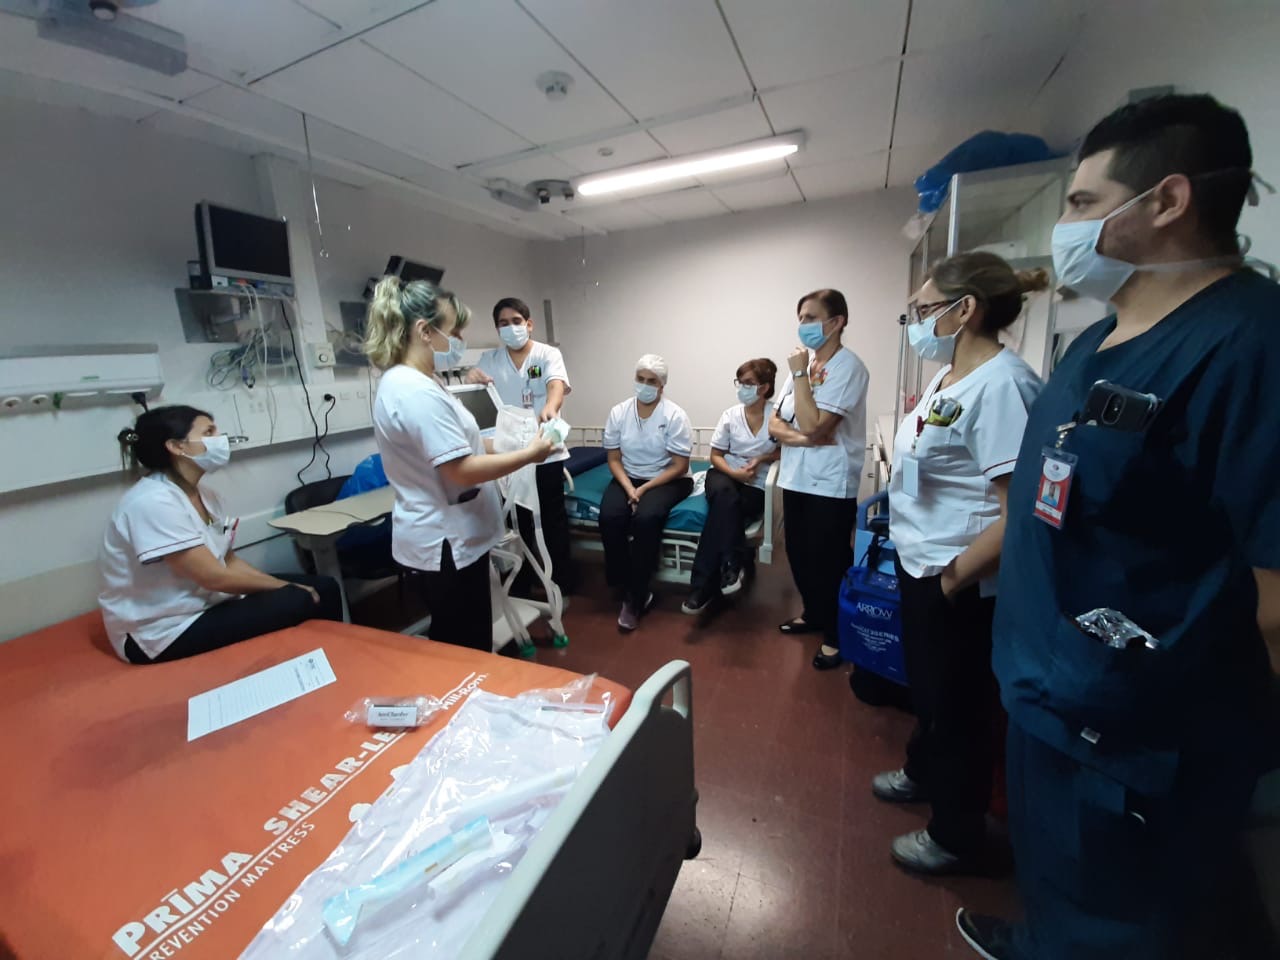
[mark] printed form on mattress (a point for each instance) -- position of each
(415, 875)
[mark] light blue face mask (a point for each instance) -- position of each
(925, 341)
(453, 356)
(646, 392)
(748, 393)
(514, 335)
(811, 334)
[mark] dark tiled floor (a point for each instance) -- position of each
(795, 858)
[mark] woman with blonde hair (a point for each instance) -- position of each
(447, 515)
(952, 460)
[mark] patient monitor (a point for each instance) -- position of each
(482, 401)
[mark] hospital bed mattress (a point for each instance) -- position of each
(121, 839)
(582, 503)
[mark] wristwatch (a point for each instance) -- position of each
(799, 374)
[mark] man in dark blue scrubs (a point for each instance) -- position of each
(1136, 737)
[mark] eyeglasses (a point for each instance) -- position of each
(916, 312)
(743, 383)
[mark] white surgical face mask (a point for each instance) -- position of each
(216, 455)
(515, 335)
(925, 341)
(748, 393)
(646, 392)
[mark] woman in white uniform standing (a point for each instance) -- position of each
(447, 514)
(952, 460)
(821, 422)
(649, 440)
(531, 374)
(741, 452)
(172, 584)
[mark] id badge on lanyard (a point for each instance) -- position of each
(1053, 487)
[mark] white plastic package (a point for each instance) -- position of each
(417, 872)
(393, 713)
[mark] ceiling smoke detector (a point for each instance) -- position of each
(554, 84)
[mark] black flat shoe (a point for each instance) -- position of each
(822, 661)
(796, 627)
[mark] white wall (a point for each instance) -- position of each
(95, 231)
(709, 294)
(1227, 49)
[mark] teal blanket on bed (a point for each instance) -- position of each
(583, 502)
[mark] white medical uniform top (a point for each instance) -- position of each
(140, 595)
(648, 445)
(836, 470)
(734, 436)
(957, 463)
(419, 425)
(543, 364)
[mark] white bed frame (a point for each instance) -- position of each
(596, 879)
(675, 562)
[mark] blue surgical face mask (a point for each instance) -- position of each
(453, 356)
(925, 341)
(1078, 263)
(811, 334)
(514, 335)
(646, 392)
(748, 393)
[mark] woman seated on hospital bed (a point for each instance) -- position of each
(741, 452)
(172, 586)
(649, 441)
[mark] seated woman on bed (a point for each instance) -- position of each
(741, 451)
(649, 441)
(172, 586)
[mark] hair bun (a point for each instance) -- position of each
(128, 436)
(1031, 281)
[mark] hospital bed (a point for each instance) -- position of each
(584, 491)
(122, 839)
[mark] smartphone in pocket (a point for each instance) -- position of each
(1119, 408)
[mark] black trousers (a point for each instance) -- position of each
(460, 603)
(243, 618)
(555, 529)
(731, 506)
(632, 540)
(952, 752)
(819, 536)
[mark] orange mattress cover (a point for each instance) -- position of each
(121, 839)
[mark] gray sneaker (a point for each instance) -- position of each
(919, 852)
(894, 786)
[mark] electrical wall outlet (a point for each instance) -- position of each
(321, 354)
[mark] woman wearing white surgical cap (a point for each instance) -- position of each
(649, 442)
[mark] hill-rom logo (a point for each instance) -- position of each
(871, 610)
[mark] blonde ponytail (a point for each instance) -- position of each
(386, 335)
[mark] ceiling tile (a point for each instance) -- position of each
(844, 116)
(956, 91)
(541, 167)
(389, 104)
(441, 41)
(843, 177)
(656, 57)
(762, 193)
(908, 162)
(251, 111)
(23, 51)
(357, 14)
(684, 205)
(247, 37)
(625, 150)
(723, 129)
(937, 23)
(616, 216)
(20, 86)
(800, 40)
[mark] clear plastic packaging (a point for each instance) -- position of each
(417, 871)
(1114, 629)
(393, 713)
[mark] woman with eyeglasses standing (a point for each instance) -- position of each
(821, 423)
(952, 460)
(741, 452)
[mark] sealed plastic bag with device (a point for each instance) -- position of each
(417, 872)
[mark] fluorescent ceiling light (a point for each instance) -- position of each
(696, 165)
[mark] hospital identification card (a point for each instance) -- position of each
(911, 477)
(1053, 489)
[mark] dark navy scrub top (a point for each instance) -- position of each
(1164, 526)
